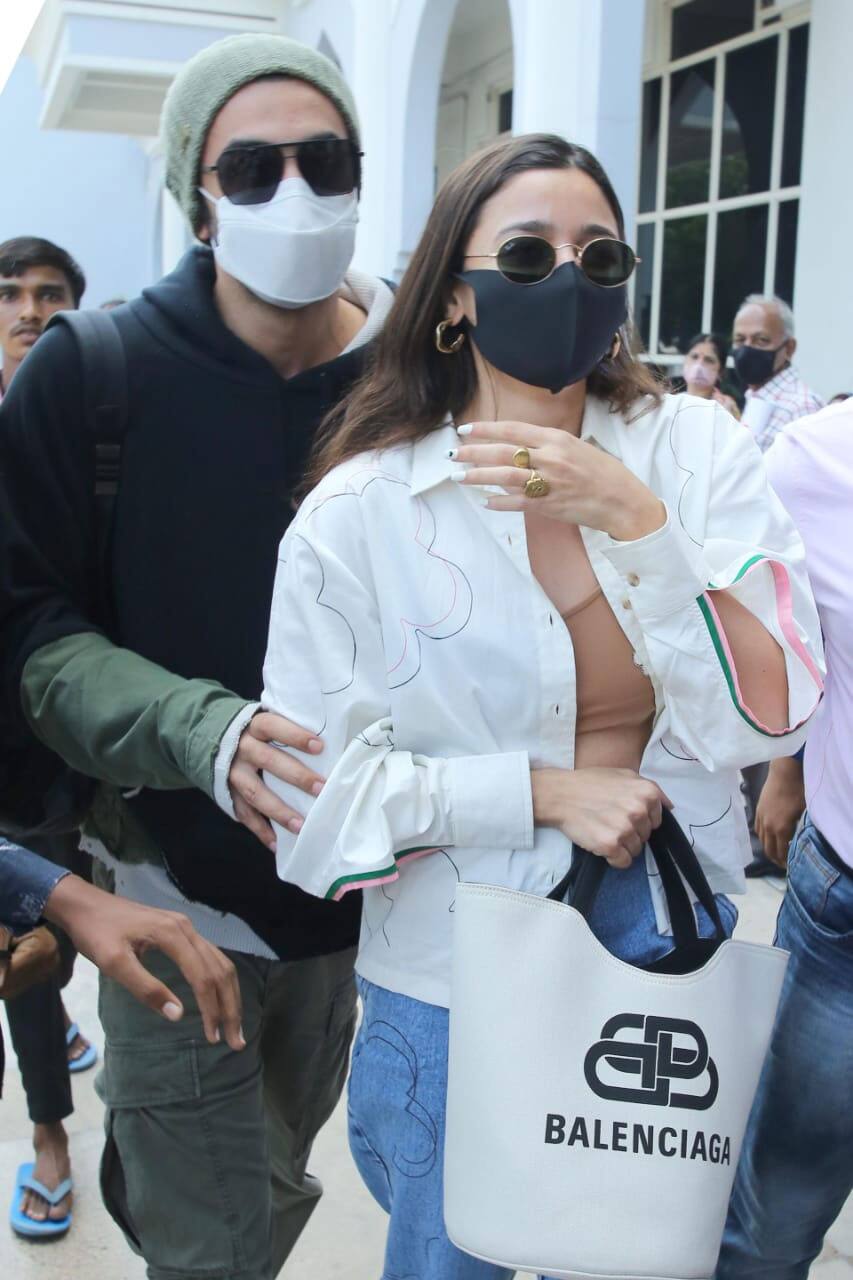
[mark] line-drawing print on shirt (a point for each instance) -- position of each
(690, 474)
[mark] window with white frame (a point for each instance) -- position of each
(720, 162)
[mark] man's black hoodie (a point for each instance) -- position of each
(216, 443)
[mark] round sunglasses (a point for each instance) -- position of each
(250, 172)
(532, 259)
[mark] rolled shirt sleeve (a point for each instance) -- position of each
(747, 545)
(325, 669)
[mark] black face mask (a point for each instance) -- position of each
(753, 366)
(549, 334)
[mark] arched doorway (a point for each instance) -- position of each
(476, 91)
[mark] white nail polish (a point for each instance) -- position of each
(458, 473)
(453, 453)
(465, 429)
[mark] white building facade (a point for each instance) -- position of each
(723, 125)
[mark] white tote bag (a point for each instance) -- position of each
(596, 1111)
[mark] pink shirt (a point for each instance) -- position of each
(811, 468)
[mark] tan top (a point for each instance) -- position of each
(615, 700)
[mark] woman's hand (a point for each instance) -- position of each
(610, 812)
(729, 404)
(587, 486)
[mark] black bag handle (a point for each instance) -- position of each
(677, 864)
(683, 856)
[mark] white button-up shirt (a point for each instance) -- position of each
(408, 631)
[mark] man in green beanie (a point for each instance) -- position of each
(232, 361)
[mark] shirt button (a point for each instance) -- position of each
(633, 580)
(626, 603)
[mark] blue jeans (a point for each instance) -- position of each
(796, 1166)
(398, 1089)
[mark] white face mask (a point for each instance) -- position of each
(291, 251)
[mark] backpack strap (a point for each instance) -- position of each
(105, 414)
(105, 398)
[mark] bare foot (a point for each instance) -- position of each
(52, 1167)
(79, 1044)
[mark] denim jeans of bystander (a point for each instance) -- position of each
(796, 1166)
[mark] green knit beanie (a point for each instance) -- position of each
(203, 86)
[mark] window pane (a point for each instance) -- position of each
(748, 119)
(739, 269)
(649, 148)
(795, 102)
(701, 23)
(786, 249)
(691, 108)
(643, 286)
(682, 281)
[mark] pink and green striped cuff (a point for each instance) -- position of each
(785, 616)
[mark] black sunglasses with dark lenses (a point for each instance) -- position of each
(250, 173)
(532, 259)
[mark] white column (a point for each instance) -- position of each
(578, 72)
(370, 82)
(823, 286)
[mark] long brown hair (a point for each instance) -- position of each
(409, 387)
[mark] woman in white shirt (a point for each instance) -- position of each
(529, 601)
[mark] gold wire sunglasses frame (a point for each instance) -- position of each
(624, 248)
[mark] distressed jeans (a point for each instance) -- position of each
(796, 1166)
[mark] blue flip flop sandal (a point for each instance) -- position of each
(87, 1059)
(21, 1224)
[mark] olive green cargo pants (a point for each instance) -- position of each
(205, 1163)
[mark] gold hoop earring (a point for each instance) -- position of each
(615, 346)
(450, 348)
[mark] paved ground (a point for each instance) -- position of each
(345, 1238)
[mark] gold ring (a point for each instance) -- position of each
(521, 458)
(537, 486)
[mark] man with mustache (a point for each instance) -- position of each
(37, 278)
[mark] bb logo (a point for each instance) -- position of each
(666, 1050)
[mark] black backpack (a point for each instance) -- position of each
(39, 793)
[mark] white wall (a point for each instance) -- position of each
(86, 192)
(334, 18)
(824, 280)
(478, 66)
